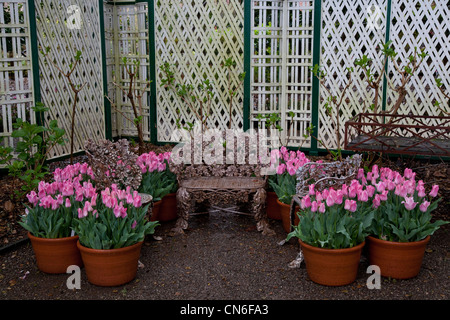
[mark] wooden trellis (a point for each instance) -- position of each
(16, 84)
(197, 36)
(421, 24)
(349, 31)
(282, 43)
(274, 42)
(126, 36)
(53, 31)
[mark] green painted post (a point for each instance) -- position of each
(316, 84)
(106, 103)
(35, 57)
(152, 76)
(387, 38)
(247, 62)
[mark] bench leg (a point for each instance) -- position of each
(184, 205)
(259, 210)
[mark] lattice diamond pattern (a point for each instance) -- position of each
(421, 24)
(197, 36)
(348, 32)
(16, 87)
(64, 42)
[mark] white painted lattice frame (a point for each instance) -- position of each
(16, 68)
(126, 35)
(186, 36)
(281, 81)
(349, 31)
(52, 31)
(421, 24)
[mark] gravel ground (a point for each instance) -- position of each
(223, 257)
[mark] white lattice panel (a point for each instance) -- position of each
(421, 24)
(282, 39)
(197, 36)
(63, 41)
(16, 81)
(126, 31)
(349, 31)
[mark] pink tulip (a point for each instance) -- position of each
(314, 206)
(360, 173)
(129, 198)
(381, 186)
(319, 196)
(384, 196)
(421, 192)
(408, 173)
(68, 204)
(339, 197)
(370, 191)
(291, 170)
(33, 198)
(311, 189)
(434, 190)
(409, 203)
(350, 205)
(306, 202)
(424, 206)
(134, 224)
(322, 207)
(363, 196)
(137, 201)
(376, 201)
(281, 168)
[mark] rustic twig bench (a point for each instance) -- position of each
(230, 180)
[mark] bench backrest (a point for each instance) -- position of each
(222, 154)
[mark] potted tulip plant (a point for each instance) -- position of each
(111, 231)
(403, 223)
(158, 181)
(50, 216)
(168, 208)
(285, 181)
(332, 231)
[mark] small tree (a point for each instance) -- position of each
(134, 94)
(197, 99)
(373, 78)
(76, 88)
(232, 91)
(332, 108)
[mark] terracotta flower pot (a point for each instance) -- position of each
(398, 260)
(285, 210)
(168, 208)
(272, 207)
(332, 267)
(155, 211)
(111, 267)
(55, 255)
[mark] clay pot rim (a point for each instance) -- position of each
(106, 251)
(405, 244)
(281, 203)
(332, 251)
(34, 238)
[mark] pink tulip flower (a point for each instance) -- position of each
(434, 190)
(350, 205)
(409, 203)
(424, 206)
